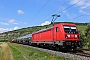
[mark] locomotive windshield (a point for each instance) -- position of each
(70, 29)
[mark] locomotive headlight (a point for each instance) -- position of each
(68, 36)
(76, 36)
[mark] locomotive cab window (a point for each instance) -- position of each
(70, 29)
(57, 29)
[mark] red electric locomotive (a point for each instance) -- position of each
(62, 35)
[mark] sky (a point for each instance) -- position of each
(17, 14)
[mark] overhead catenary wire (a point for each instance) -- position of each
(66, 8)
(69, 6)
(54, 11)
(59, 7)
(80, 16)
(40, 10)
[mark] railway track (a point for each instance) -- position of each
(83, 54)
(78, 55)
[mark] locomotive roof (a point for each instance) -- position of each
(66, 24)
(43, 30)
(52, 27)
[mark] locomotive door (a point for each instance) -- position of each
(56, 33)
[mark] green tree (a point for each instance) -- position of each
(83, 37)
(87, 33)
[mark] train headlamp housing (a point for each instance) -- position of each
(67, 36)
(76, 36)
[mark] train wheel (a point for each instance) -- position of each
(30, 43)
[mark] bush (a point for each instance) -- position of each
(86, 37)
(3, 40)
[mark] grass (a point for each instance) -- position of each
(81, 27)
(0, 50)
(1, 42)
(5, 53)
(16, 54)
(24, 53)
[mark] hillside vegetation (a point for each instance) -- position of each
(7, 36)
(24, 31)
(20, 32)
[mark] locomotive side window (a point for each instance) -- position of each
(70, 29)
(57, 29)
